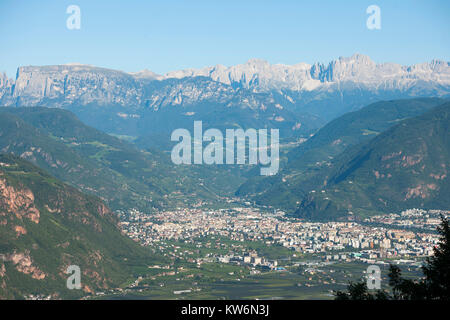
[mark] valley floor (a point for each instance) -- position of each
(247, 252)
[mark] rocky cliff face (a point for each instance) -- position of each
(256, 74)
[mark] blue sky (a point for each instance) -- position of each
(168, 35)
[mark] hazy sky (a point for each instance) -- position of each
(168, 35)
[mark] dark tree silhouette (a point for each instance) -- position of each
(437, 267)
(435, 285)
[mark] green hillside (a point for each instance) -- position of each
(405, 167)
(46, 225)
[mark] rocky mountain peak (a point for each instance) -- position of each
(78, 84)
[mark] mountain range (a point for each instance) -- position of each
(258, 75)
(297, 99)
